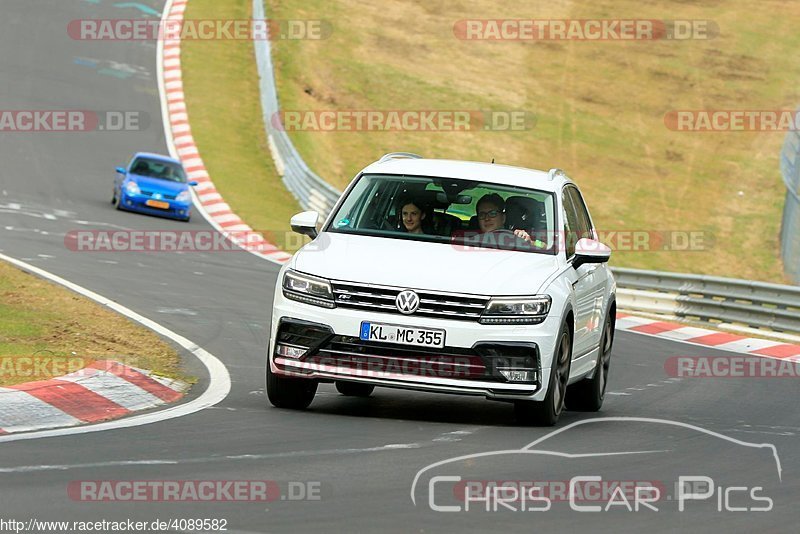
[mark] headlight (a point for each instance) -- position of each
(516, 310)
(308, 289)
(184, 196)
(132, 188)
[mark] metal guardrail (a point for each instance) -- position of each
(710, 298)
(311, 191)
(707, 298)
(790, 226)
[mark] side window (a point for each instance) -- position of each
(584, 223)
(570, 224)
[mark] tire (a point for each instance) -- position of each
(354, 389)
(292, 393)
(548, 411)
(118, 201)
(588, 394)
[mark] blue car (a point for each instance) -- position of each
(155, 185)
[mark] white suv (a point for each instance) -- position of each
(452, 277)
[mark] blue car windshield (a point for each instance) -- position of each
(153, 168)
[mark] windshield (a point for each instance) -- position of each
(449, 210)
(153, 168)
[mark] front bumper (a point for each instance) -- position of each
(467, 365)
(138, 203)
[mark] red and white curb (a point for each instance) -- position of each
(708, 338)
(104, 390)
(179, 136)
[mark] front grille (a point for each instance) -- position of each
(362, 357)
(432, 303)
(165, 197)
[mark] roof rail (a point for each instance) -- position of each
(553, 173)
(397, 155)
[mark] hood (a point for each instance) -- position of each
(422, 265)
(158, 185)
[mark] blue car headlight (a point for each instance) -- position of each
(184, 196)
(132, 188)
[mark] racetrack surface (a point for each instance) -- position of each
(365, 453)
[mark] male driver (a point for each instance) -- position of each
(491, 210)
(492, 217)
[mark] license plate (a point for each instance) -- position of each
(158, 204)
(404, 335)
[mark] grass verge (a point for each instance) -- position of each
(220, 82)
(48, 331)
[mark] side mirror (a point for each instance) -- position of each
(305, 223)
(590, 251)
(193, 183)
(122, 170)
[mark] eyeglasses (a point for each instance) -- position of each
(488, 214)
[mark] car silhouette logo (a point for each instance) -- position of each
(157, 196)
(407, 302)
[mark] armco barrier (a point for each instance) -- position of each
(311, 191)
(790, 226)
(710, 298)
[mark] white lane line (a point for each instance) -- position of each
(176, 311)
(186, 461)
(218, 388)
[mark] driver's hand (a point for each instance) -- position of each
(522, 234)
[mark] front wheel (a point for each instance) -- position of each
(548, 411)
(588, 394)
(292, 393)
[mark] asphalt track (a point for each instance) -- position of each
(364, 453)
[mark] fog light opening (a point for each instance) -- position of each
(518, 375)
(290, 351)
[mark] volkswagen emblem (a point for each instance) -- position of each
(407, 302)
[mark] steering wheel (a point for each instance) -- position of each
(505, 231)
